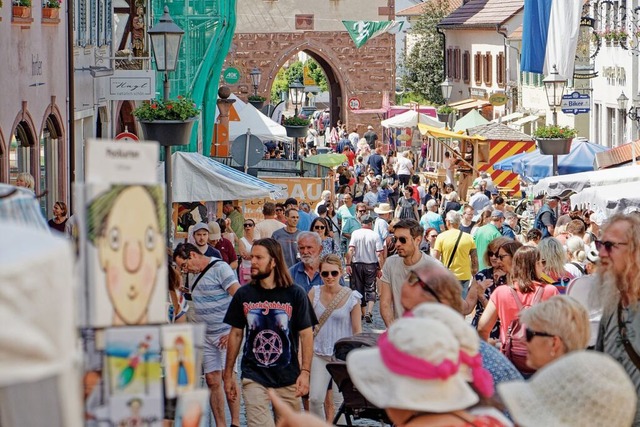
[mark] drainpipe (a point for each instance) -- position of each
(71, 146)
(444, 51)
(507, 44)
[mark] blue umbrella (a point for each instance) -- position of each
(580, 159)
(521, 163)
(507, 164)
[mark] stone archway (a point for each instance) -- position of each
(25, 145)
(52, 160)
(364, 74)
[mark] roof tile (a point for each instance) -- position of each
(419, 9)
(483, 13)
(499, 132)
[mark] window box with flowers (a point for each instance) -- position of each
(553, 139)
(168, 122)
(614, 36)
(21, 10)
(51, 10)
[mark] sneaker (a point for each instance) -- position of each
(368, 318)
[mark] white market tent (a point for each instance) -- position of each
(259, 124)
(410, 119)
(564, 185)
(200, 178)
(609, 199)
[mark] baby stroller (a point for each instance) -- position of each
(355, 406)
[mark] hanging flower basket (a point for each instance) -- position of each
(257, 104)
(296, 131)
(167, 132)
(554, 146)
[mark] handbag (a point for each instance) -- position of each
(342, 296)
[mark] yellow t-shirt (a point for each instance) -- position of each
(461, 265)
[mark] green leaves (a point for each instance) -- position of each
(296, 121)
(554, 131)
(173, 109)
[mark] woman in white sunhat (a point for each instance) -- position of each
(582, 389)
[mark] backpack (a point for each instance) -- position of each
(514, 347)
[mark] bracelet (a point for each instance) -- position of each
(302, 370)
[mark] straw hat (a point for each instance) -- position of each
(413, 370)
(583, 388)
(384, 208)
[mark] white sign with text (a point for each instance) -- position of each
(133, 85)
(119, 162)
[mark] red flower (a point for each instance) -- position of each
(154, 106)
(179, 96)
(169, 106)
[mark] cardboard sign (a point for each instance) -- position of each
(119, 162)
(302, 189)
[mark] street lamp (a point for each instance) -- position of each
(296, 93)
(446, 86)
(554, 87)
(633, 114)
(255, 75)
(165, 44)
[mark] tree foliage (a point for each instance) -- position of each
(317, 74)
(423, 65)
(294, 73)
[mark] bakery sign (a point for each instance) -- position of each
(133, 85)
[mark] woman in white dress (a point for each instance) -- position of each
(244, 271)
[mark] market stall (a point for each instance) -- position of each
(609, 199)
(564, 185)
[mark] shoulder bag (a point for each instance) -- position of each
(340, 297)
(625, 339)
(187, 296)
(455, 247)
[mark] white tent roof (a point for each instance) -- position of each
(259, 124)
(196, 178)
(563, 185)
(410, 119)
(609, 199)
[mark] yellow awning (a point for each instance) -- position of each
(441, 133)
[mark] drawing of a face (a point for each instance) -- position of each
(131, 252)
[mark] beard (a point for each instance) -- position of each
(261, 274)
(308, 259)
(607, 293)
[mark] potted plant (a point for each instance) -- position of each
(554, 139)
(296, 126)
(21, 8)
(168, 122)
(257, 101)
(51, 9)
(444, 112)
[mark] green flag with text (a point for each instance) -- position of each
(362, 31)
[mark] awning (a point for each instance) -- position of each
(609, 199)
(524, 121)
(441, 133)
(618, 155)
(410, 119)
(564, 185)
(508, 118)
(475, 103)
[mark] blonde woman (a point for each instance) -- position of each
(25, 179)
(577, 256)
(343, 321)
(554, 328)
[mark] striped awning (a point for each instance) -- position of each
(200, 178)
(441, 133)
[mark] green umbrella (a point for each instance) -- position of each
(328, 160)
(472, 119)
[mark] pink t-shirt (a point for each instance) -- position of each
(507, 306)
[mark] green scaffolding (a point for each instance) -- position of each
(208, 27)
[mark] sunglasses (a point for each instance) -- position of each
(415, 280)
(530, 334)
(608, 246)
(501, 257)
(279, 210)
(362, 211)
(247, 225)
(319, 227)
(333, 273)
(403, 240)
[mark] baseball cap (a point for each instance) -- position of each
(200, 226)
(214, 231)
(370, 127)
(497, 214)
(366, 219)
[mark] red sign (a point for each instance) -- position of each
(354, 104)
(126, 136)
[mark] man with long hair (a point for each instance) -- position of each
(619, 292)
(275, 315)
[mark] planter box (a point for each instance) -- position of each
(296, 131)
(167, 132)
(554, 146)
(257, 104)
(50, 12)
(21, 11)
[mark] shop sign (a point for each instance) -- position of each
(231, 75)
(132, 85)
(576, 103)
(302, 189)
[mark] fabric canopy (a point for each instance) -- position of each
(199, 178)
(441, 133)
(328, 159)
(19, 206)
(507, 163)
(259, 124)
(609, 199)
(580, 159)
(564, 185)
(410, 119)
(472, 119)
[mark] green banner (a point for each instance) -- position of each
(362, 31)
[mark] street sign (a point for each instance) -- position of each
(354, 104)
(252, 155)
(576, 103)
(498, 99)
(231, 75)
(127, 136)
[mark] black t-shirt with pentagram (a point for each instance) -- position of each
(271, 319)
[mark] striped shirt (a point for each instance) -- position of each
(211, 299)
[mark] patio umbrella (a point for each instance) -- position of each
(472, 119)
(507, 164)
(328, 160)
(580, 159)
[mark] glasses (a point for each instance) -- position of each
(608, 246)
(501, 257)
(333, 273)
(247, 225)
(279, 209)
(492, 254)
(403, 240)
(530, 334)
(319, 227)
(359, 211)
(415, 280)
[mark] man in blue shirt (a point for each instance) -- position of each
(304, 222)
(306, 273)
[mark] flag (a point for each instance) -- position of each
(550, 32)
(362, 31)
